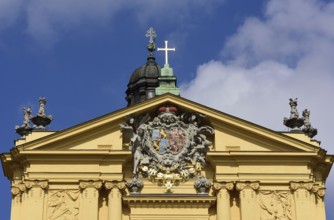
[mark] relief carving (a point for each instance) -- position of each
(275, 205)
(168, 148)
(63, 204)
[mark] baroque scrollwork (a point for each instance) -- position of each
(170, 148)
(63, 204)
(275, 205)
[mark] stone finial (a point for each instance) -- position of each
(25, 128)
(308, 129)
(41, 120)
(134, 186)
(202, 185)
(294, 122)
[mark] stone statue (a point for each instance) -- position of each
(27, 116)
(25, 128)
(294, 122)
(293, 104)
(41, 120)
(308, 129)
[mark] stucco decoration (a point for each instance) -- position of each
(63, 204)
(275, 205)
(170, 148)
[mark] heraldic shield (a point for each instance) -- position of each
(170, 148)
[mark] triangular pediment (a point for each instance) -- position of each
(231, 133)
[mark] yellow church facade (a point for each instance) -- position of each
(231, 170)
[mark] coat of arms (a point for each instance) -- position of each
(170, 148)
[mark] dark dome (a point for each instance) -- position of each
(143, 82)
(149, 70)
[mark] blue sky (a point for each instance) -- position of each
(246, 58)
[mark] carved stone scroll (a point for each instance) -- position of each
(36, 183)
(97, 184)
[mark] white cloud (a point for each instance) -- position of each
(287, 53)
(9, 12)
(46, 19)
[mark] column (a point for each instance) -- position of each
(223, 199)
(89, 203)
(248, 199)
(305, 209)
(33, 200)
(114, 199)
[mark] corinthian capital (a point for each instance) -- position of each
(223, 185)
(83, 184)
(114, 184)
(255, 185)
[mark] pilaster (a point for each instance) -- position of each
(33, 199)
(248, 199)
(89, 199)
(223, 199)
(17, 206)
(304, 201)
(114, 199)
(319, 193)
